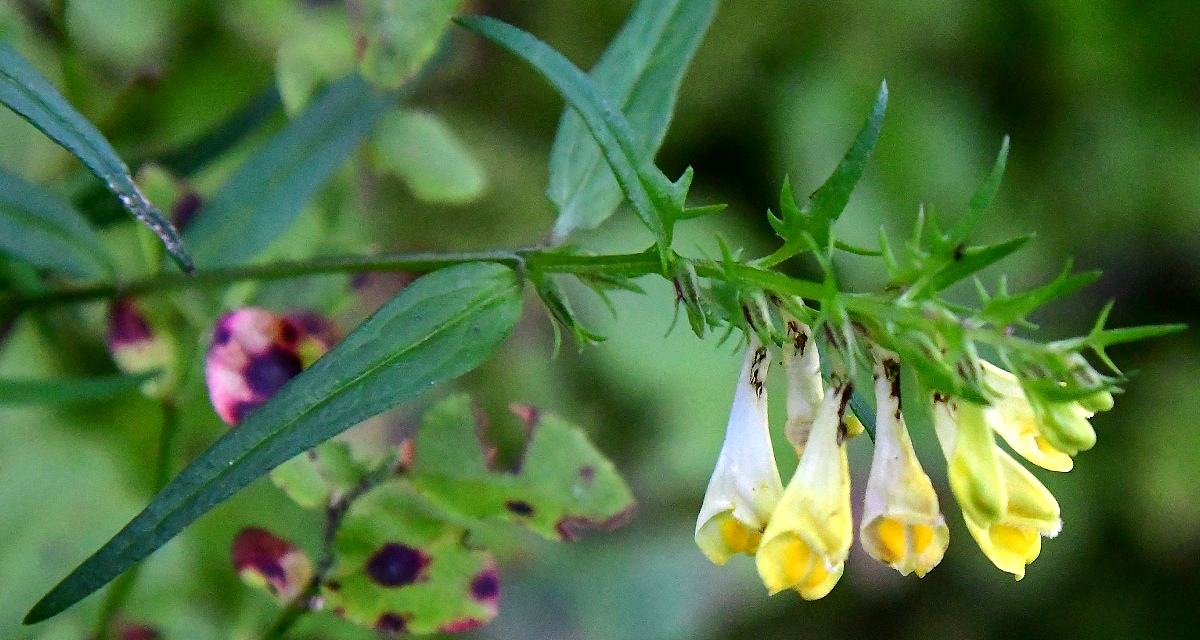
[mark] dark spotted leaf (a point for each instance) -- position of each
(563, 483)
(640, 72)
(268, 191)
(38, 227)
(402, 568)
(440, 327)
(25, 91)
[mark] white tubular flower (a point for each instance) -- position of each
(902, 524)
(802, 363)
(745, 487)
(809, 535)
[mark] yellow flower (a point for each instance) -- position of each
(902, 524)
(745, 487)
(1006, 508)
(1044, 433)
(1030, 512)
(802, 362)
(808, 538)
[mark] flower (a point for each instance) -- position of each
(1006, 508)
(802, 362)
(138, 345)
(745, 486)
(262, 559)
(254, 352)
(809, 534)
(902, 524)
(1045, 433)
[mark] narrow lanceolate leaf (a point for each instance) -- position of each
(269, 190)
(640, 72)
(982, 199)
(68, 390)
(646, 187)
(25, 91)
(41, 229)
(440, 327)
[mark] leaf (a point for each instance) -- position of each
(321, 53)
(971, 260)
(38, 227)
(811, 228)
(402, 568)
(396, 37)
(269, 190)
(420, 149)
(982, 199)
(640, 72)
(562, 483)
(68, 390)
(656, 200)
(1004, 310)
(25, 91)
(319, 476)
(440, 327)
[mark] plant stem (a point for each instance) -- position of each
(119, 592)
(630, 265)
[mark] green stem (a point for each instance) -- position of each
(627, 265)
(119, 592)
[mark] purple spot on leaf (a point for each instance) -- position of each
(519, 507)
(392, 623)
(587, 474)
(396, 565)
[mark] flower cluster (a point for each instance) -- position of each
(800, 535)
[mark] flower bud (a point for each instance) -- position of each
(806, 390)
(137, 346)
(269, 562)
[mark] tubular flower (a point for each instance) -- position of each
(1044, 433)
(808, 538)
(802, 362)
(254, 352)
(902, 524)
(745, 486)
(1006, 508)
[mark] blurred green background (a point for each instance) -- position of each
(1102, 100)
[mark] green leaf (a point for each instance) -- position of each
(397, 37)
(811, 228)
(1004, 310)
(25, 91)
(656, 200)
(269, 190)
(562, 484)
(68, 390)
(401, 567)
(440, 327)
(321, 475)
(323, 52)
(965, 262)
(420, 149)
(38, 227)
(982, 199)
(640, 72)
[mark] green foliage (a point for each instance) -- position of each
(440, 327)
(321, 476)
(68, 390)
(41, 229)
(561, 483)
(268, 191)
(640, 73)
(396, 37)
(420, 149)
(25, 91)
(428, 586)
